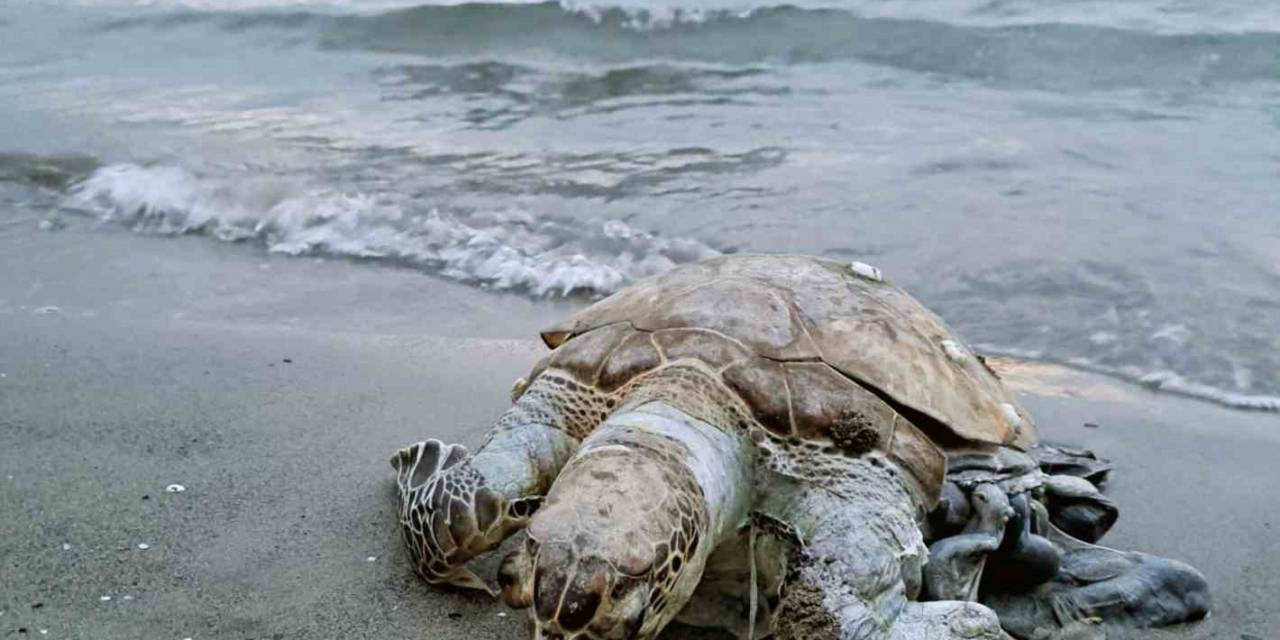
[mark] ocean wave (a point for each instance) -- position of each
(1161, 16)
(1160, 381)
(49, 172)
(512, 250)
(1059, 56)
(505, 250)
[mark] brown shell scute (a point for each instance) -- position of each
(796, 308)
(583, 355)
(826, 404)
(762, 384)
(925, 460)
(633, 356)
(715, 349)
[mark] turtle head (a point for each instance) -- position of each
(613, 552)
(448, 514)
(574, 597)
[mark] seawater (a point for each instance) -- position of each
(1093, 183)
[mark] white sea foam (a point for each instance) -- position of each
(505, 250)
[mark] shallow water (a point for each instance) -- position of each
(1086, 182)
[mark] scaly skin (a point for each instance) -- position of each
(455, 505)
(624, 535)
(632, 516)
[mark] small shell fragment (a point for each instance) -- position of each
(66, 546)
(1012, 414)
(144, 546)
(371, 559)
(105, 598)
(867, 271)
(175, 488)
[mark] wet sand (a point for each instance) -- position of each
(274, 390)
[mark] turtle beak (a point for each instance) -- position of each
(465, 578)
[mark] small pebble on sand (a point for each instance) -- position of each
(144, 546)
(502, 614)
(127, 598)
(371, 559)
(66, 547)
(175, 488)
(105, 598)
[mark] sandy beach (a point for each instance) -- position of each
(273, 389)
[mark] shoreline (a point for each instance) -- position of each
(274, 388)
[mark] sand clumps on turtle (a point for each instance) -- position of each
(784, 446)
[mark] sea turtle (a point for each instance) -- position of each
(750, 442)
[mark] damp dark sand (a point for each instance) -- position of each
(274, 390)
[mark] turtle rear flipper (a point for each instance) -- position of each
(1098, 585)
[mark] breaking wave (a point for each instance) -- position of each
(510, 250)
(1160, 381)
(505, 250)
(1057, 56)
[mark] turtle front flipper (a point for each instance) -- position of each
(455, 505)
(447, 515)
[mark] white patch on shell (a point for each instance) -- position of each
(867, 271)
(956, 351)
(1012, 415)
